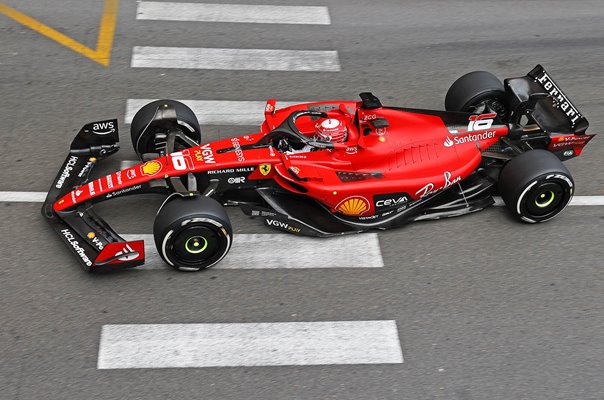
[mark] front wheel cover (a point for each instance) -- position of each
(192, 244)
(544, 197)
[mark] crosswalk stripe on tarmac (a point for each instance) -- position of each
(235, 59)
(246, 13)
(287, 251)
(249, 344)
(216, 112)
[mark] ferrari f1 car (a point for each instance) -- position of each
(324, 169)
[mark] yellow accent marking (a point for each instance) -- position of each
(353, 206)
(91, 235)
(102, 54)
(382, 139)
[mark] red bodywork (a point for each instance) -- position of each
(417, 154)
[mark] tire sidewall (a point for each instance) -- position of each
(165, 240)
(523, 195)
(186, 119)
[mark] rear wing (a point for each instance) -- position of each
(556, 113)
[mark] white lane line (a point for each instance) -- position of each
(23, 197)
(235, 59)
(262, 14)
(216, 112)
(39, 197)
(249, 344)
(249, 251)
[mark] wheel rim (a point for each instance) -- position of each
(197, 245)
(546, 199)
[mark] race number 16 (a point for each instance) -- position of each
(480, 122)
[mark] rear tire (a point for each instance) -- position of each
(192, 233)
(143, 140)
(536, 186)
(477, 92)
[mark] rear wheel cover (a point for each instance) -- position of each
(544, 198)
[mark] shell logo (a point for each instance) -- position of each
(151, 167)
(355, 205)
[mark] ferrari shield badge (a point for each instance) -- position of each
(265, 169)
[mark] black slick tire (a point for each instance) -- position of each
(143, 140)
(192, 233)
(475, 89)
(536, 186)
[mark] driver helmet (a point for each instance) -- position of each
(332, 130)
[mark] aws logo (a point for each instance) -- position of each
(353, 206)
(103, 128)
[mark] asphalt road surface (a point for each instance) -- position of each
(479, 307)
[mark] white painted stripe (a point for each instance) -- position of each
(216, 112)
(235, 59)
(23, 197)
(39, 197)
(587, 201)
(249, 344)
(576, 201)
(202, 12)
(249, 251)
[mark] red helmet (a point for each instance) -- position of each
(332, 130)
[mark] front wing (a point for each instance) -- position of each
(95, 244)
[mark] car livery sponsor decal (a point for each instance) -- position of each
(85, 169)
(282, 225)
(126, 250)
(205, 154)
(66, 173)
(109, 180)
(353, 206)
(559, 98)
(131, 173)
(236, 180)
(118, 176)
(569, 141)
(238, 151)
(430, 187)
(265, 169)
(230, 170)
(468, 138)
(91, 188)
(390, 200)
(97, 243)
(151, 168)
(74, 243)
(123, 191)
(103, 128)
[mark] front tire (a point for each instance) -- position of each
(536, 186)
(192, 233)
(143, 140)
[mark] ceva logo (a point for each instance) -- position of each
(448, 142)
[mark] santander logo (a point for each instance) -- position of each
(448, 142)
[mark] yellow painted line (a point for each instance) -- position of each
(102, 54)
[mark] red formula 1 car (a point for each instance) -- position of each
(324, 169)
